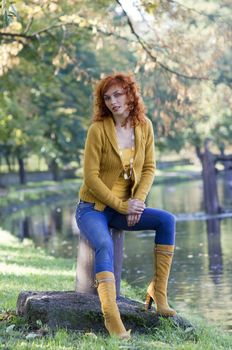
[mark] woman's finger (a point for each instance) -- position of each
(130, 220)
(136, 212)
(133, 219)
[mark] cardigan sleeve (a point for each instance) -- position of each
(92, 158)
(149, 166)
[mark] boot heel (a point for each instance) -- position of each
(148, 302)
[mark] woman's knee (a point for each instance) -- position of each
(105, 244)
(171, 219)
(167, 220)
(165, 234)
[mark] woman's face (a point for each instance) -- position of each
(116, 101)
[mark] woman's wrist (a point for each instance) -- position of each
(124, 207)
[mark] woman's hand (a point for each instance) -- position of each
(135, 206)
(133, 219)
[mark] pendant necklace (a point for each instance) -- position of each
(127, 175)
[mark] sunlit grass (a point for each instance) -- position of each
(179, 170)
(24, 267)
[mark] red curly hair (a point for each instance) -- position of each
(134, 101)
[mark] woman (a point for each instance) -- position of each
(119, 165)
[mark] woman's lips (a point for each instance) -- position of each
(116, 108)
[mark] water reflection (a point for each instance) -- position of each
(51, 227)
(214, 249)
(227, 188)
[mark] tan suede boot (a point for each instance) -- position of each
(157, 289)
(107, 294)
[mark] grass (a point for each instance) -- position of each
(23, 267)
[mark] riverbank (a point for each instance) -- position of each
(23, 267)
(21, 196)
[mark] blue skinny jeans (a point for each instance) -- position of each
(94, 226)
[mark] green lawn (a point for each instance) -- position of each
(23, 267)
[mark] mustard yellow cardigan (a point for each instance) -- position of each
(103, 165)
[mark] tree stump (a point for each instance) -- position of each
(85, 264)
(82, 312)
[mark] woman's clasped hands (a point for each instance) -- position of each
(135, 210)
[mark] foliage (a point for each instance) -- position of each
(20, 133)
(191, 42)
(51, 54)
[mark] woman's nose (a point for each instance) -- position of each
(112, 100)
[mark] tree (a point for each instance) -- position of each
(178, 52)
(20, 133)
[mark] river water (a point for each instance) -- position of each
(201, 276)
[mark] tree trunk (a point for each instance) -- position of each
(85, 264)
(54, 170)
(82, 312)
(7, 159)
(22, 173)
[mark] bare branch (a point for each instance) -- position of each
(150, 54)
(139, 39)
(17, 35)
(29, 24)
(47, 30)
(164, 45)
(182, 75)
